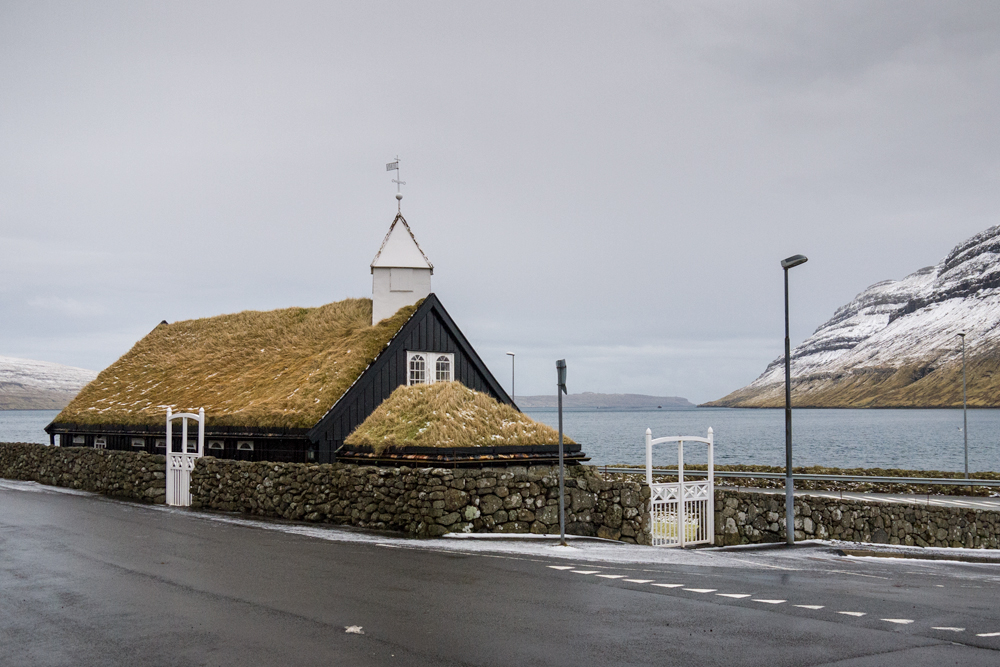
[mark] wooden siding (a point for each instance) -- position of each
(430, 329)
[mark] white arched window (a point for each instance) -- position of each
(442, 369)
(429, 367)
(418, 369)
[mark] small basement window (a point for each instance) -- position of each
(192, 446)
(138, 442)
(245, 445)
(418, 372)
(161, 443)
(101, 442)
(216, 445)
(79, 439)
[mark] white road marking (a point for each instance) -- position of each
(611, 576)
(852, 613)
(734, 595)
(810, 606)
(562, 567)
(901, 621)
(584, 571)
(988, 634)
(669, 585)
(638, 581)
(949, 629)
(770, 601)
(701, 590)
(354, 630)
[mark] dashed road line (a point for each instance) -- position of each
(769, 601)
(858, 614)
(810, 606)
(638, 581)
(669, 585)
(900, 621)
(949, 629)
(562, 567)
(611, 576)
(700, 590)
(735, 596)
(988, 634)
(584, 571)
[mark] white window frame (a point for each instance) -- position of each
(138, 442)
(430, 366)
(79, 440)
(216, 444)
(161, 443)
(244, 446)
(100, 442)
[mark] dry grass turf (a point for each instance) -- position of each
(280, 369)
(448, 414)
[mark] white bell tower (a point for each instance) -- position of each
(401, 272)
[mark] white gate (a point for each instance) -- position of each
(180, 464)
(681, 513)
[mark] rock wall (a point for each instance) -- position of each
(133, 475)
(427, 502)
(747, 518)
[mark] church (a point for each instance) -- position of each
(293, 384)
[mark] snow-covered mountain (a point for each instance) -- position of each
(897, 344)
(39, 385)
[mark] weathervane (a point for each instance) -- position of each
(394, 165)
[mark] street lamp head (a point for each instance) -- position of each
(794, 260)
(962, 334)
(511, 354)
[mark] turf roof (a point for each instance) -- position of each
(448, 414)
(279, 369)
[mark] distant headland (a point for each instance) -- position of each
(592, 401)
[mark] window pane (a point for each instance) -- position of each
(443, 369)
(418, 373)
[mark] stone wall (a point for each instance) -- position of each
(747, 518)
(427, 502)
(133, 475)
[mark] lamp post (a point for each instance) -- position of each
(965, 420)
(786, 264)
(511, 355)
(560, 390)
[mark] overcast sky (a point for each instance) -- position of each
(613, 183)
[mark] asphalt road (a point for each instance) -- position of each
(89, 581)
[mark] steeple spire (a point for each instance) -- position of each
(394, 166)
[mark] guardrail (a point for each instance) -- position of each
(930, 481)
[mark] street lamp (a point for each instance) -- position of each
(965, 420)
(786, 264)
(511, 355)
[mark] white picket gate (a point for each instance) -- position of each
(180, 464)
(683, 512)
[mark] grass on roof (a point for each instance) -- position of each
(280, 368)
(448, 414)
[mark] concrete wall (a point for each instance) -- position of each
(747, 518)
(427, 501)
(133, 475)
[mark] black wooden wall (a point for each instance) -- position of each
(430, 329)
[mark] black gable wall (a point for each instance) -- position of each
(430, 329)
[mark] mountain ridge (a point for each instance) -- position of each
(27, 384)
(896, 343)
(595, 401)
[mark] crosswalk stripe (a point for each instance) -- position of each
(638, 581)
(669, 585)
(584, 571)
(810, 606)
(852, 613)
(561, 567)
(770, 601)
(734, 595)
(701, 590)
(611, 576)
(901, 621)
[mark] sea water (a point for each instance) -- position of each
(908, 439)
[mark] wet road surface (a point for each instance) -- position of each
(89, 581)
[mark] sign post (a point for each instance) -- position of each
(560, 390)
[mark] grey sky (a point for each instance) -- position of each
(614, 183)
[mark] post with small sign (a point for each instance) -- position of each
(560, 390)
